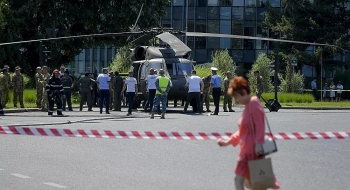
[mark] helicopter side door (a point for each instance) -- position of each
(143, 73)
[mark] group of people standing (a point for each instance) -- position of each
(16, 82)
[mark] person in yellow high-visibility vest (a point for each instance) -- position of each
(163, 86)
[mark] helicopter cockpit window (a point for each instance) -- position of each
(155, 66)
(184, 69)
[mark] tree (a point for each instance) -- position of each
(121, 61)
(224, 62)
(290, 82)
(262, 64)
(317, 21)
(29, 20)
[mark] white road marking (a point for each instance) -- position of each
(55, 185)
(1, 169)
(21, 176)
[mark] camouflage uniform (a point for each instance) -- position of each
(44, 101)
(259, 86)
(5, 83)
(18, 88)
(206, 93)
(111, 91)
(227, 98)
(39, 88)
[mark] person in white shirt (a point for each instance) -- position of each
(195, 88)
(131, 90)
(339, 91)
(332, 93)
(103, 82)
(151, 89)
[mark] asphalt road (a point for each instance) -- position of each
(32, 162)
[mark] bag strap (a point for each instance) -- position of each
(252, 122)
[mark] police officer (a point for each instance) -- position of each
(67, 84)
(103, 83)
(215, 86)
(163, 87)
(55, 92)
(118, 84)
(85, 86)
(227, 98)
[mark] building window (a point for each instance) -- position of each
(213, 26)
(177, 24)
(213, 13)
(237, 29)
(190, 42)
(238, 3)
(226, 3)
(237, 13)
(225, 28)
(166, 23)
(201, 13)
(250, 14)
(202, 3)
(201, 56)
(213, 43)
(178, 2)
(261, 13)
(201, 26)
(249, 31)
(225, 12)
(190, 26)
(250, 3)
(191, 11)
(213, 2)
(177, 12)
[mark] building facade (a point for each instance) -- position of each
(92, 60)
(238, 17)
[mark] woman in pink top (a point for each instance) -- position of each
(239, 89)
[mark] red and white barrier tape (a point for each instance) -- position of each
(55, 132)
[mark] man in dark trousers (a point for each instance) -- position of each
(54, 91)
(215, 86)
(103, 82)
(85, 86)
(195, 88)
(67, 83)
(118, 84)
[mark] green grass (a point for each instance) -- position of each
(285, 99)
(29, 98)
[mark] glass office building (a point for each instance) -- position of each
(92, 60)
(239, 17)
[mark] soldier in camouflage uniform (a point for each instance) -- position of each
(18, 87)
(111, 91)
(45, 78)
(206, 93)
(39, 87)
(227, 98)
(259, 84)
(5, 84)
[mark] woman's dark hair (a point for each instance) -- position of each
(237, 85)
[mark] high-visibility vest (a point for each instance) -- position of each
(163, 83)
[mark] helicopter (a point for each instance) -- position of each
(170, 54)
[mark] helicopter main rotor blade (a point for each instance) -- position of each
(143, 38)
(78, 36)
(133, 29)
(179, 47)
(199, 34)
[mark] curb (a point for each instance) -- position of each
(21, 110)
